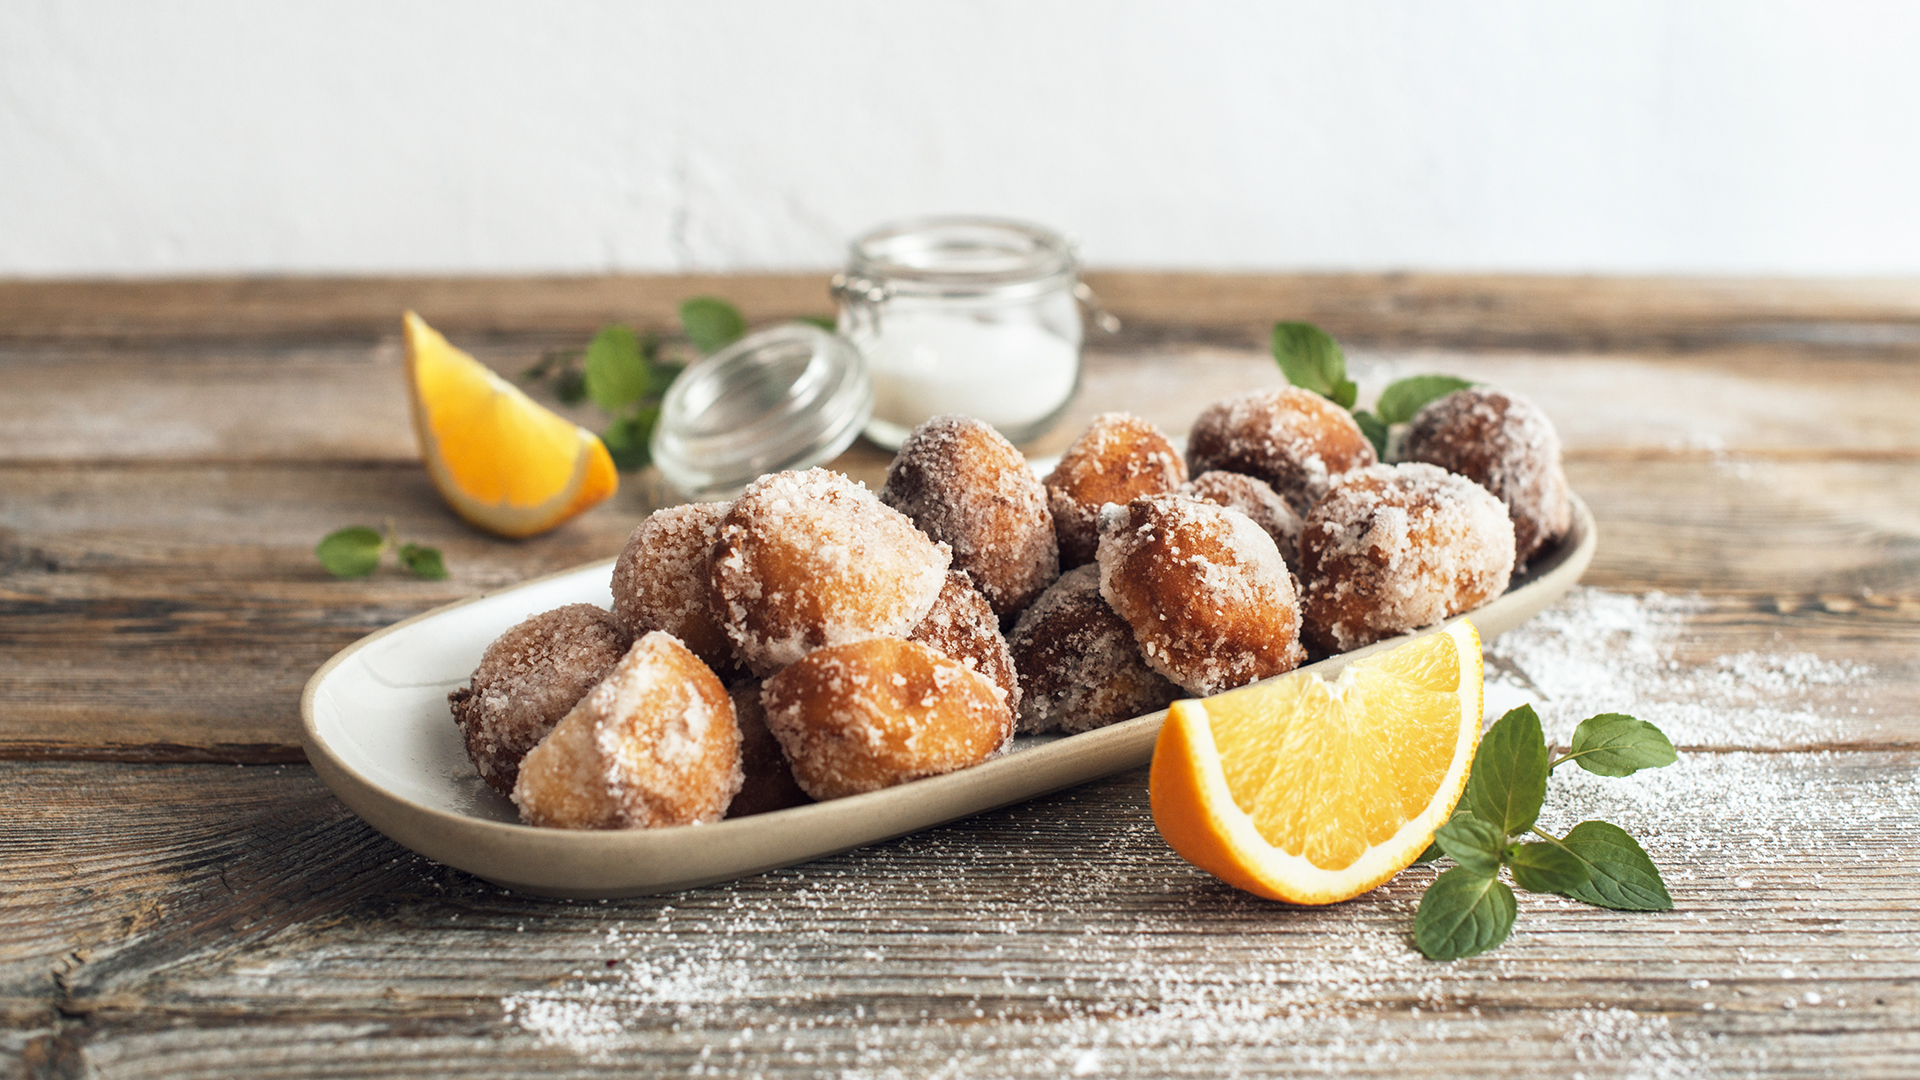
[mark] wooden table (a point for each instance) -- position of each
(179, 896)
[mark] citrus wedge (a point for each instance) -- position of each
(502, 461)
(1313, 792)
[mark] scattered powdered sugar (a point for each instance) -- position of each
(1599, 652)
(1073, 942)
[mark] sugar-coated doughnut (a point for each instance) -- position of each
(1256, 499)
(807, 559)
(880, 712)
(1506, 444)
(1294, 439)
(653, 744)
(1119, 458)
(527, 680)
(962, 625)
(963, 483)
(663, 580)
(1392, 548)
(1209, 599)
(1080, 667)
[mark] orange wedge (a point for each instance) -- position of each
(1313, 792)
(501, 460)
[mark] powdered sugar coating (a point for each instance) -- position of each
(1393, 548)
(962, 482)
(527, 680)
(808, 559)
(1506, 444)
(1079, 665)
(962, 625)
(880, 712)
(653, 744)
(663, 580)
(1119, 458)
(767, 780)
(1210, 601)
(1294, 439)
(1256, 499)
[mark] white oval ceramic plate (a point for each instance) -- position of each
(378, 731)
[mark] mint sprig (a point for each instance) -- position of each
(1468, 909)
(626, 373)
(1311, 359)
(355, 551)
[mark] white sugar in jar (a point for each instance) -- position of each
(964, 315)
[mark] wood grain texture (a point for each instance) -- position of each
(171, 451)
(258, 927)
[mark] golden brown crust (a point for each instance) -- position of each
(962, 482)
(1294, 439)
(653, 744)
(810, 559)
(1204, 588)
(528, 679)
(1393, 548)
(1119, 458)
(881, 712)
(962, 625)
(1506, 444)
(1256, 499)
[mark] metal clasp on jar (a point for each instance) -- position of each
(860, 298)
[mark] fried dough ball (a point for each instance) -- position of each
(1256, 499)
(1118, 459)
(962, 482)
(881, 712)
(1079, 665)
(1208, 597)
(1393, 548)
(654, 744)
(1506, 444)
(1294, 439)
(663, 580)
(767, 782)
(527, 680)
(963, 626)
(806, 559)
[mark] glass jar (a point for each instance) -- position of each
(969, 315)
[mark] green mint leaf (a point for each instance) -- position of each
(1374, 430)
(711, 323)
(1509, 778)
(627, 439)
(1463, 914)
(824, 322)
(1620, 874)
(616, 370)
(1404, 398)
(1615, 745)
(1548, 868)
(425, 562)
(1474, 844)
(1312, 360)
(352, 552)
(1429, 853)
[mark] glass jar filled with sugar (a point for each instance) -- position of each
(966, 315)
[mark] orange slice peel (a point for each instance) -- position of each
(1312, 792)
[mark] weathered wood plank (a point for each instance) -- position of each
(247, 402)
(194, 920)
(1485, 310)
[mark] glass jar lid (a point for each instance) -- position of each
(790, 397)
(961, 257)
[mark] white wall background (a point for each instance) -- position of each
(213, 136)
